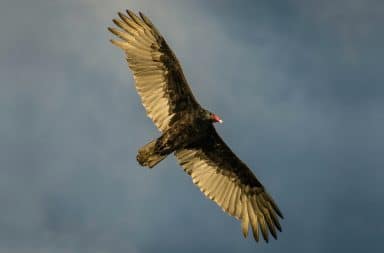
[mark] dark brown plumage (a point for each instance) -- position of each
(188, 131)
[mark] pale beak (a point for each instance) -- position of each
(217, 119)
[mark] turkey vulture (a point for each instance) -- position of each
(187, 129)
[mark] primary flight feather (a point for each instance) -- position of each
(188, 131)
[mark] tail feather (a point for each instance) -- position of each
(147, 155)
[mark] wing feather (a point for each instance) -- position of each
(253, 219)
(233, 200)
(226, 180)
(244, 216)
(222, 192)
(156, 70)
(227, 204)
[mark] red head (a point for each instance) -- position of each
(216, 118)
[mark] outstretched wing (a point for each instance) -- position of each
(158, 76)
(226, 180)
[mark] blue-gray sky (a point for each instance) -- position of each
(298, 83)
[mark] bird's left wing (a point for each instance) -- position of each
(226, 180)
(159, 79)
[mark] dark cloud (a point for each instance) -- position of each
(298, 85)
(333, 45)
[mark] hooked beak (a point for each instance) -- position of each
(217, 119)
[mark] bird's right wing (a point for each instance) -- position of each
(226, 180)
(158, 76)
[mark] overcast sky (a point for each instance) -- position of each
(298, 83)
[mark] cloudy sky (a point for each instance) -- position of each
(298, 83)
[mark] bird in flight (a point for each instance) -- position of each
(187, 129)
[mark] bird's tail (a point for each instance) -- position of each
(147, 155)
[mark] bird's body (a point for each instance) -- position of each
(188, 131)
